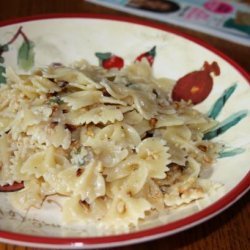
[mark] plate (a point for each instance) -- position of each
(38, 41)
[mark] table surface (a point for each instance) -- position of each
(228, 230)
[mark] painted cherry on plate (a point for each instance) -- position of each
(197, 85)
(149, 55)
(16, 186)
(109, 60)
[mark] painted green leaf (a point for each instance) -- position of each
(2, 74)
(221, 101)
(152, 52)
(226, 124)
(231, 152)
(26, 55)
(103, 56)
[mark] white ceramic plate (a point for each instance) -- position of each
(66, 38)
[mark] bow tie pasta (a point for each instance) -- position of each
(111, 143)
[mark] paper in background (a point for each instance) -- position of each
(229, 20)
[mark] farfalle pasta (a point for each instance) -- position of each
(111, 143)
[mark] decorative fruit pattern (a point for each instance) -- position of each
(109, 60)
(149, 55)
(16, 186)
(197, 85)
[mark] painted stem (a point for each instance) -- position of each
(25, 38)
(13, 39)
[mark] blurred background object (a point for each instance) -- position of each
(154, 5)
(223, 19)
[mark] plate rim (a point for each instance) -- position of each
(147, 234)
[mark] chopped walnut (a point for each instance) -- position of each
(175, 167)
(79, 172)
(53, 124)
(176, 105)
(207, 159)
(152, 122)
(105, 92)
(85, 206)
(90, 132)
(70, 127)
(55, 108)
(203, 148)
(121, 207)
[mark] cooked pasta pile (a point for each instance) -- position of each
(111, 143)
